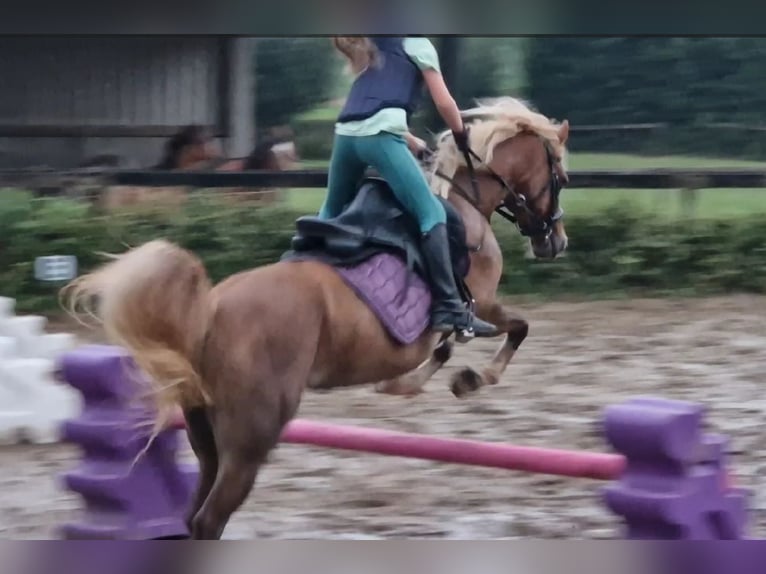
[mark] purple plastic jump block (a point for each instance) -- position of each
(675, 485)
(126, 498)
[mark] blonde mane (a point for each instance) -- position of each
(492, 122)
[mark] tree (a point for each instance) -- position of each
(685, 82)
(292, 75)
(472, 69)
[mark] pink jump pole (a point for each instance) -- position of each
(557, 462)
(598, 466)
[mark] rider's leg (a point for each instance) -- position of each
(345, 172)
(389, 154)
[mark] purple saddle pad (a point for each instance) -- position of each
(399, 297)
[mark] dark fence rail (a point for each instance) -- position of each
(585, 179)
(593, 179)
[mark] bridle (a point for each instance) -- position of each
(534, 226)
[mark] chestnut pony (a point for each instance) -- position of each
(236, 357)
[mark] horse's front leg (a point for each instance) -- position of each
(516, 328)
(412, 383)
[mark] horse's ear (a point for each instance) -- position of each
(564, 132)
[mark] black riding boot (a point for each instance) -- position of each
(448, 312)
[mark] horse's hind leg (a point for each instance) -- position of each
(467, 380)
(243, 445)
(246, 429)
(412, 383)
(199, 429)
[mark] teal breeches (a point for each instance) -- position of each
(389, 155)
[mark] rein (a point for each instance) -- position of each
(539, 226)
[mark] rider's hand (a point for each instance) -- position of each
(417, 146)
(462, 139)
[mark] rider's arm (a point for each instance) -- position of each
(445, 103)
(423, 53)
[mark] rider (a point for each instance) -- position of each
(372, 130)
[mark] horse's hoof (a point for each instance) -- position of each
(465, 382)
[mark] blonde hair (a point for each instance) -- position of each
(492, 121)
(360, 52)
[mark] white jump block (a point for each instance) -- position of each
(34, 405)
(25, 327)
(8, 348)
(7, 305)
(49, 346)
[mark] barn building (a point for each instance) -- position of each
(66, 99)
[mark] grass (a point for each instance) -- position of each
(593, 161)
(711, 203)
(669, 204)
(326, 113)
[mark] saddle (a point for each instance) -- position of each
(374, 222)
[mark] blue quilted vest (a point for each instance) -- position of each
(395, 83)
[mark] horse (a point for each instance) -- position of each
(236, 357)
(273, 153)
(510, 117)
(194, 147)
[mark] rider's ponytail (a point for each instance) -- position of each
(360, 52)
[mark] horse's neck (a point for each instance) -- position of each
(490, 194)
(189, 159)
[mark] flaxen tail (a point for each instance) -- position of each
(153, 300)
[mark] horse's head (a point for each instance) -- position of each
(536, 175)
(285, 148)
(286, 153)
(190, 146)
(520, 169)
(273, 153)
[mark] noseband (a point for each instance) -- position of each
(534, 226)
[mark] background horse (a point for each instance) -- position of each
(277, 152)
(194, 147)
(237, 357)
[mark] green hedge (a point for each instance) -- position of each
(314, 137)
(611, 253)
